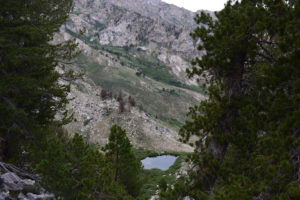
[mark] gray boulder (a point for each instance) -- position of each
(18, 184)
(11, 182)
(40, 196)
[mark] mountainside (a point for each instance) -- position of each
(139, 49)
(157, 9)
(124, 23)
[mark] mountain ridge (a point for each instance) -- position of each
(143, 57)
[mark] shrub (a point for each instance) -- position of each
(121, 106)
(131, 101)
(103, 94)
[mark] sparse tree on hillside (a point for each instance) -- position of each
(110, 95)
(141, 108)
(126, 166)
(122, 106)
(120, 96)
(131, 101)
(103, 94)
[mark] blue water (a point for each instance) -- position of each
(159, 162)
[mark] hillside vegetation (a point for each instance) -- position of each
(130, 54)
(249, 127)
(89, 88)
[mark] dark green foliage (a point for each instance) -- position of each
(72, 169)
(29, 91)
(163, 185)
(125, 165)
(31, 96)
(87, 121)
(249, 128)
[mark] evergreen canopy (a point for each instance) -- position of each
(249, 128)
(124, 163)
(30, 93)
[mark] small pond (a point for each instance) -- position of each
(159, 162)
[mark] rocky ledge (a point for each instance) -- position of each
(16, 184)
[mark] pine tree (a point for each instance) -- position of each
(125, 164)
(249, 127)
(72, 169)
(30, 94)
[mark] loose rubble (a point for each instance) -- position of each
(15, 184)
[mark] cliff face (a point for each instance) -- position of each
(156, 9)
(124, 23)
(139, 48)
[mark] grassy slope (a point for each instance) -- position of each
(162, 100)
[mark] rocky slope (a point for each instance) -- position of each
(139, 48)
(124, 23)
(93, 117)
(158, 9)
(18, 184)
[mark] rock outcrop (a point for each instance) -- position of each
(124, 23)
(16, 184)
